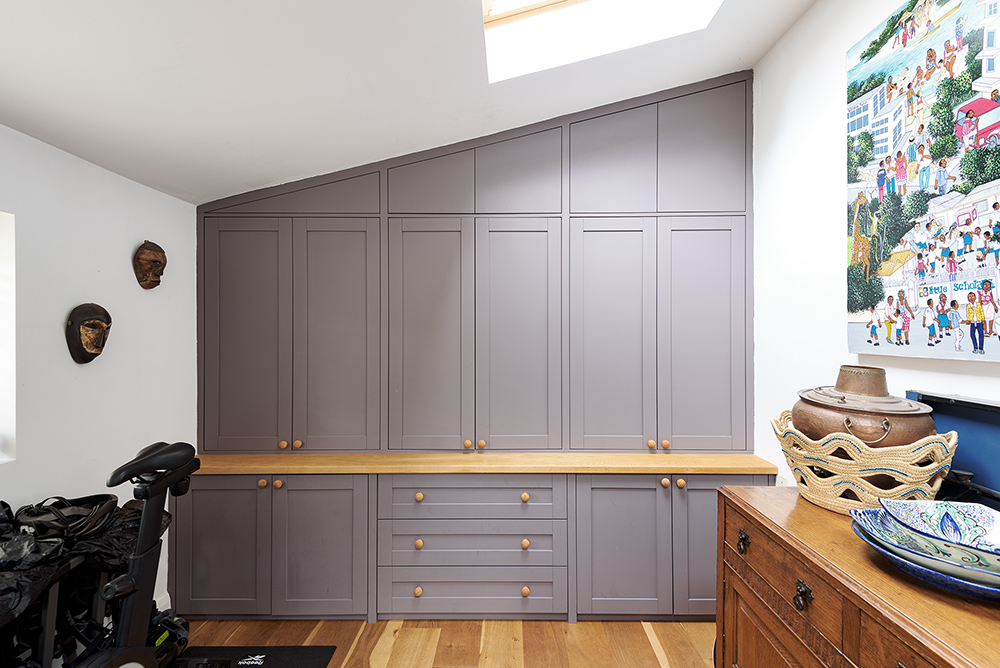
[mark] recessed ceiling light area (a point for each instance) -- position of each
(525, 37)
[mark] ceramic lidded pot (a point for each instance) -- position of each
(860, 405)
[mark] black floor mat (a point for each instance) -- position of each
(255, 657)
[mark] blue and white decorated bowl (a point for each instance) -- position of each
(955, 585)
(971, 530)
(904, 542)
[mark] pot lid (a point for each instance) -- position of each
(863, 403)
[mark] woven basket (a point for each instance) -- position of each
(841, 472)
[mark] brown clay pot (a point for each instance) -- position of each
(860, 405)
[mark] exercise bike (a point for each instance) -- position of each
(156, 469)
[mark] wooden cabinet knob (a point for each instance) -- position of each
(665, 444)
(262, 483)
(296, 444)
(525, 591)
(481, 444)
(524, 497)
(467, 444)
(419, 543)
(282, 445)
(651, 444)
(525, 544)
(681, 483)
(665, 482)
(278, 484)
(419, 496)
(418, 592)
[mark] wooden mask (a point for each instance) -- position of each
(87, 332)
(148, 263)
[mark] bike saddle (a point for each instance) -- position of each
(153, 458)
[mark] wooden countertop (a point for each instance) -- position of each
(485, 462)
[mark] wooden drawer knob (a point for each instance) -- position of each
(278, 484)
(418, 497)
(525, 591)
(282, 445)
(419, 543)
(651, 444)
(681, 483)
(524, 497)
(525, 544)
(467, 444)
(296, 444)
(665, 444)
(262, 483)
(418, 592)
(665, 482)
(481, 444)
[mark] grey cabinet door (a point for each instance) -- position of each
(695, 521)
(623, 545)
(702, 333)
(223, 546)
(612, 333)
(518, 332)
(336, 334)
(319, 546)
(520, 175)
(431, 333)
(248, 332)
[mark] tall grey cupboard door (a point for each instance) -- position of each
(518, 348)
(702, 333)
(612, 333)
(431, 333)
(248, 331)
(223, 546)
(319, 544)
(623, 545)
(336, 334)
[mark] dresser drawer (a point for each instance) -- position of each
(472, 543)
(472, 496)
(880, 648)
(472, 590)
(808, 594)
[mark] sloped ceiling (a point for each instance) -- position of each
(202, 99)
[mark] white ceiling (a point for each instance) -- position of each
(202, 99)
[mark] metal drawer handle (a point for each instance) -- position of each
(803, 595)
(743, 542)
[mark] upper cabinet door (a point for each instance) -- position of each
(612, 333)
(431, 333)
(703, 150)
(336, 350)
(248, 346)
(518, 351)
(702, 332)
(522, 175)
(438, 185)
(613, 163)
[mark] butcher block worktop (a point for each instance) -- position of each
(484, 462)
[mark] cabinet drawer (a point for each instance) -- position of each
(784, 572)
(472, 496)
(881, 648)
(472, 590)
(472, 542)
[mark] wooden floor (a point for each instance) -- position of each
(478, 643)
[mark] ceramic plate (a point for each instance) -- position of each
(903, 542)
(950, 525)
(940, 580)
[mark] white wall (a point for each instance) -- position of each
(77, 227)
(800, 247)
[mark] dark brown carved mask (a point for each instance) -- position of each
(148, 263)
(87, 332)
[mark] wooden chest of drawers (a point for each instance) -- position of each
(797, 588)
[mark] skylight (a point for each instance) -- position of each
(524, 37)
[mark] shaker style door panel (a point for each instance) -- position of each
(521, 175)
(518, 333)
(248, 347)
(320, 544)
(431, 333)
(701, 337)
(623, 545)
(612, 162)
(439, 185)
(223, 546)
(336, 340)
(703, 151)
(612, 333)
